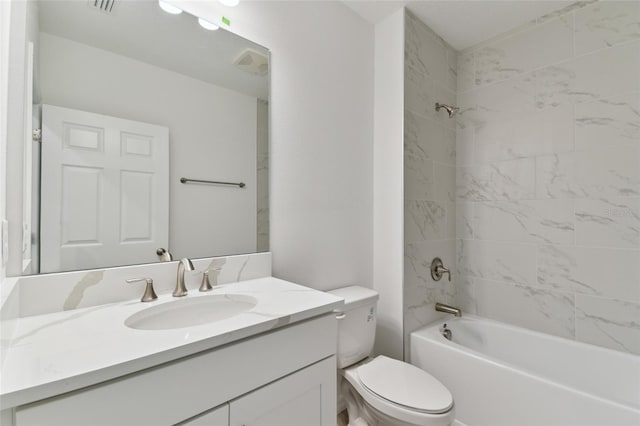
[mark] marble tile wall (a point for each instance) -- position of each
(429, 172)
(547, 214)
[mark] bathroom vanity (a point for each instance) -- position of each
(272, 364)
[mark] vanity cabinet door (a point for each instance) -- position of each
(306, 397)
(216, 417)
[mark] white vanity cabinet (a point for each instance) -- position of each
(283, 377)
(217, 417)
(295, 400)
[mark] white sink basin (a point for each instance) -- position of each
(190, 312)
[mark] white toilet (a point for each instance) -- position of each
(382, 391)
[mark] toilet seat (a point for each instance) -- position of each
(405, 384)
(439, 414)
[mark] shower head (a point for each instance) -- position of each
(450, 109)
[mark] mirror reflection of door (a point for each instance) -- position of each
(105, 201)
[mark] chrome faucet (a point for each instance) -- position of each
(441, 307)
(183, 265)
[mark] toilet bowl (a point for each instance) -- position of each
(382, 391)
(397, 393)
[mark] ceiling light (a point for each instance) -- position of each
(207, 25)
(230, 3)
(169, 8)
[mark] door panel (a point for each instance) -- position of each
(136, 212)
(81, 193)
(105, 190)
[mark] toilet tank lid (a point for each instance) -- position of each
(354, 296)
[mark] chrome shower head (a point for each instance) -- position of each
(450, 109)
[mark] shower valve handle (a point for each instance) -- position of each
(438, 270)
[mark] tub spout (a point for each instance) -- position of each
(441, 307)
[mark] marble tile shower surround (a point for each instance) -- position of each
(48, 293)
(429, 172)
(548, 175)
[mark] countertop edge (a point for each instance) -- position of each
(69, 384)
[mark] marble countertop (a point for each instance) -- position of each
(63, 351)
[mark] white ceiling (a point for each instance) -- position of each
(462, 23)
(141, 30)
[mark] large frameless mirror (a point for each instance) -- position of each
(152, 137)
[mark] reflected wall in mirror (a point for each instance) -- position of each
(131, 100)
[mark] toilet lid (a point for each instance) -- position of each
(406, 385)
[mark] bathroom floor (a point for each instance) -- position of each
(343, 418)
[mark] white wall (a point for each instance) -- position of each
(5, 12)
(549, 176)
(388, 182)
(212, 132)
(15, 115)
(321, 136)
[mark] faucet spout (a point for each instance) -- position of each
(184, 265)
(441, 307)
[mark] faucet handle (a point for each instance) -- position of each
(149, 294)
(442, 270)
(206, 284)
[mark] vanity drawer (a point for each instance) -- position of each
(176, 391)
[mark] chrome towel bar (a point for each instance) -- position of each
(212, 182)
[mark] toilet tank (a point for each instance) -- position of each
(356, 323)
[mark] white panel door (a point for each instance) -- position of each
(307, 397)
(105, 190)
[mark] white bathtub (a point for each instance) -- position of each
(501, 375)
